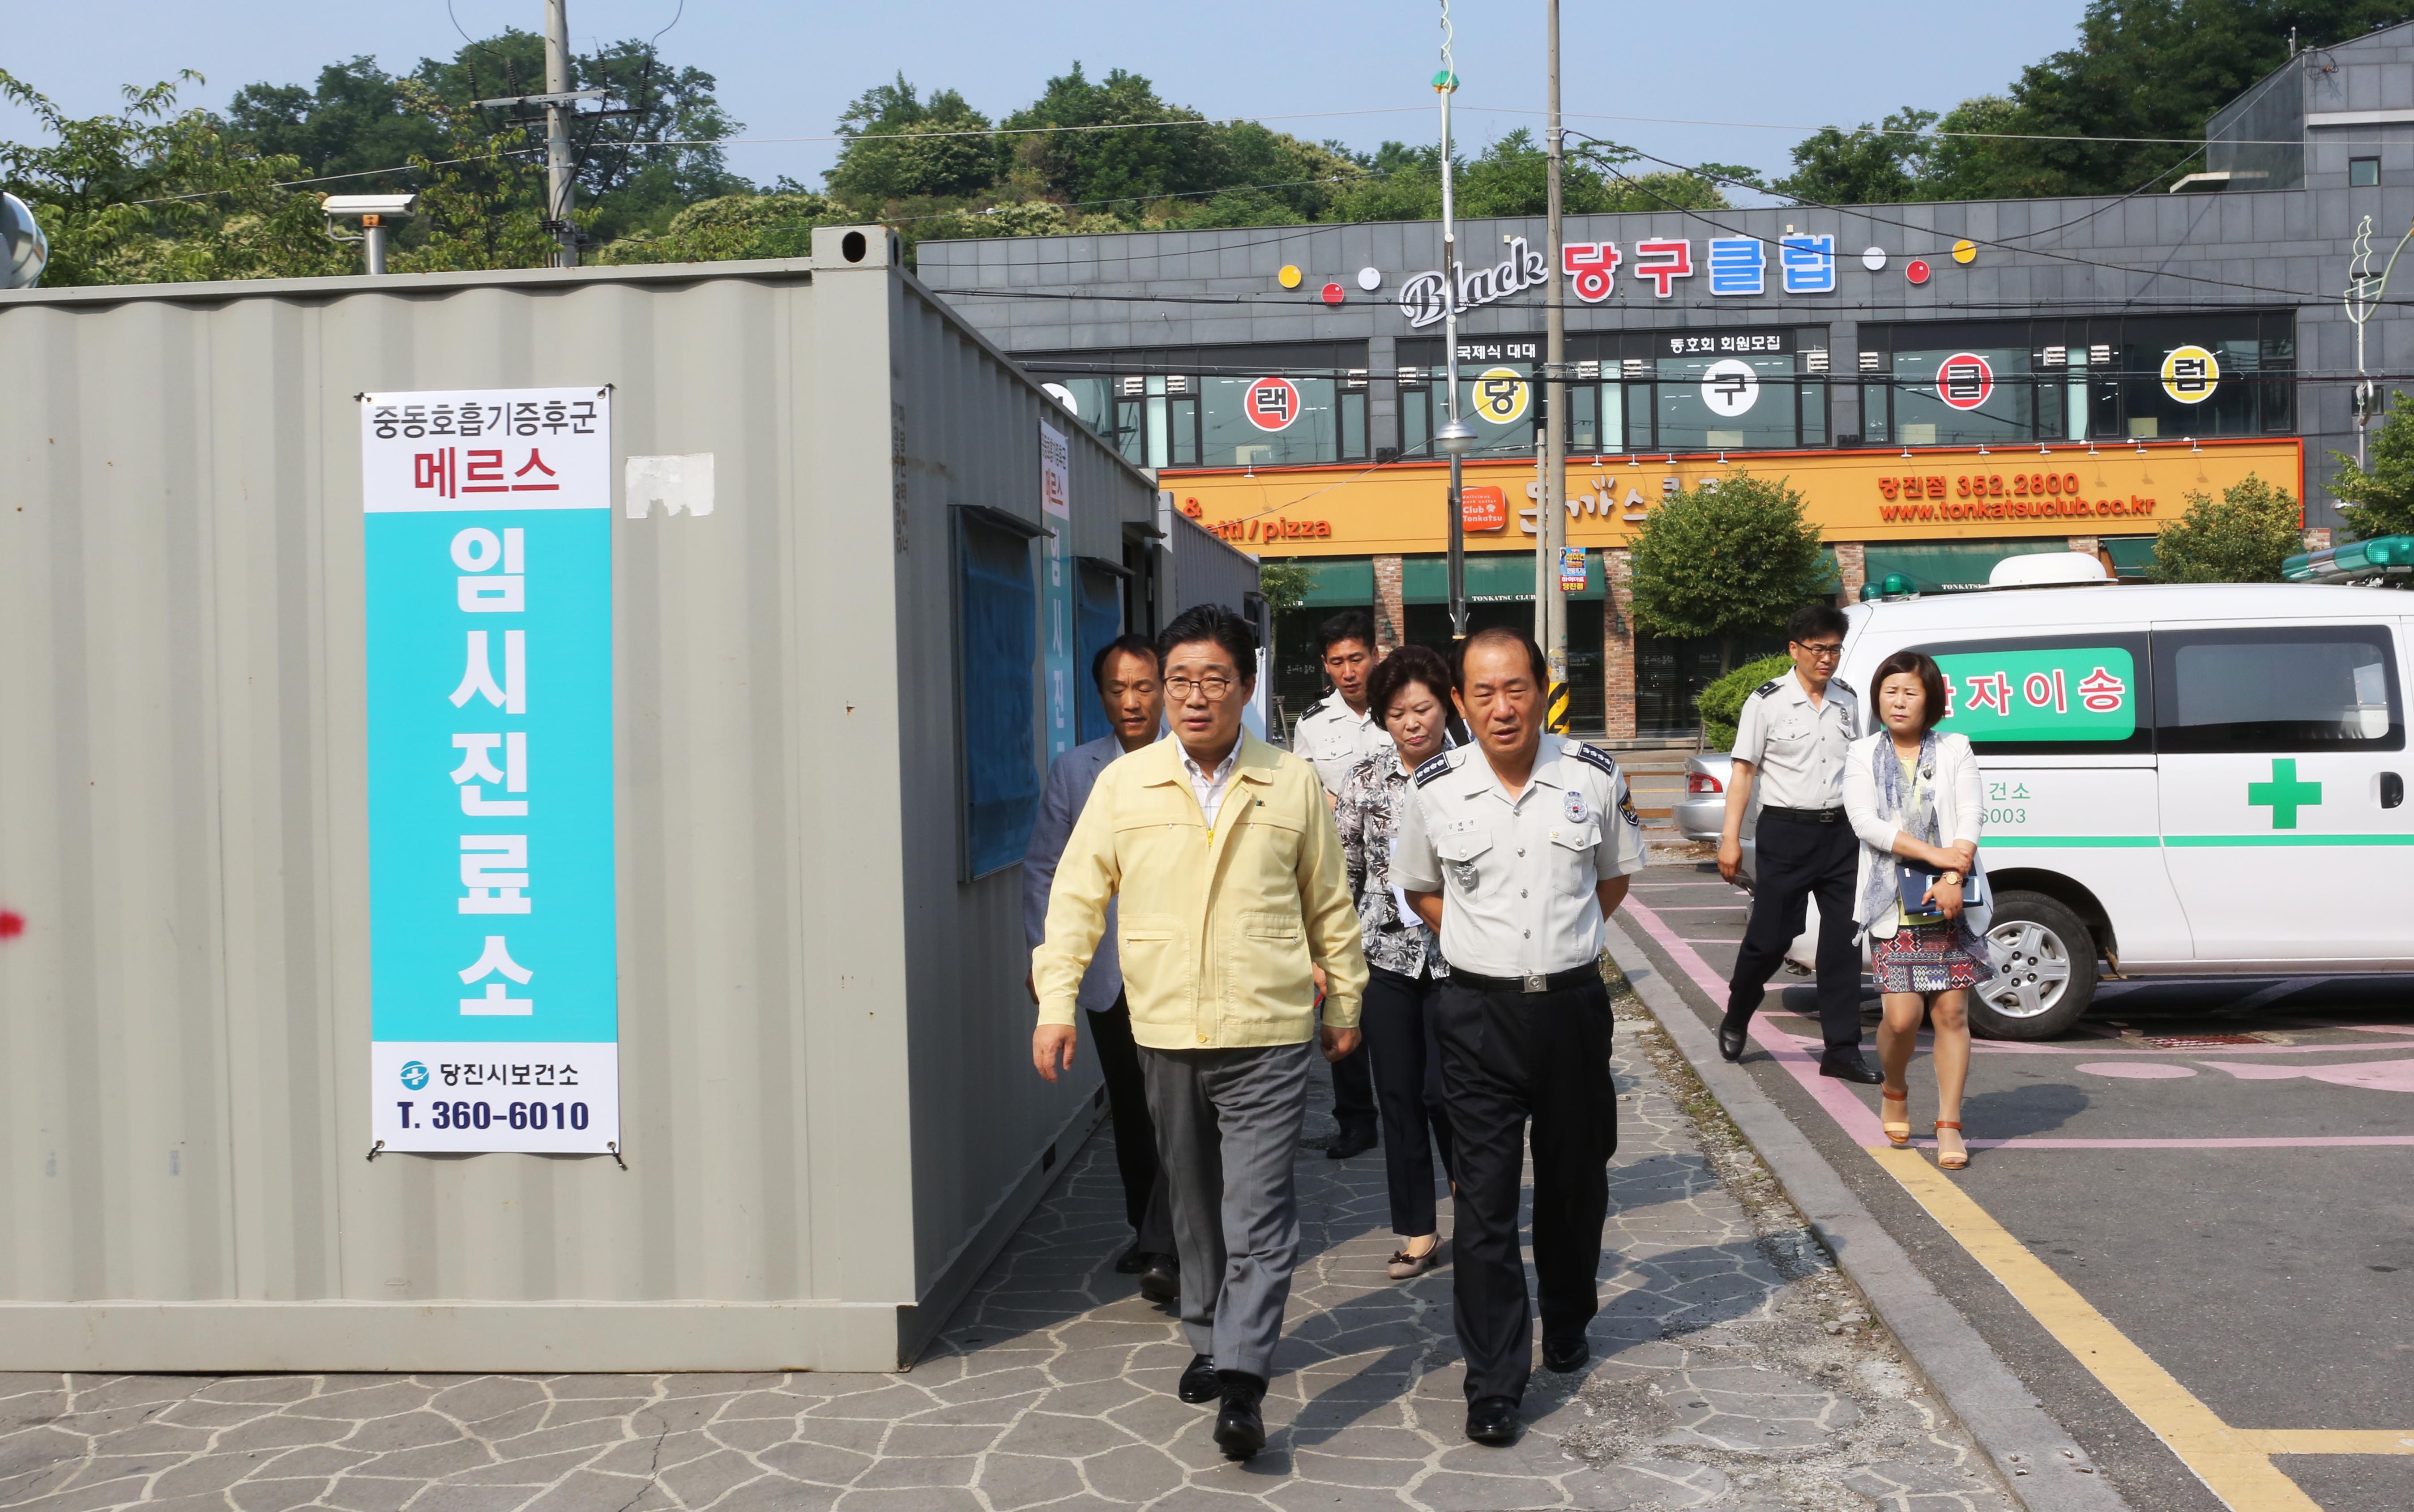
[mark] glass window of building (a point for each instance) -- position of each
(2147, 378)
(2362, 173)
(1219, 407)
(1742, 401)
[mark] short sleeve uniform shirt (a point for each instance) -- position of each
(1517, 873)
(1799, 748)
(1336, 740)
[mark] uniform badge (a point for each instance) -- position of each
(1578, 812)
(1626, 811)
(1466, 873)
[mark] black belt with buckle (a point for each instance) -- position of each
(1806, 816)
(1574, 977)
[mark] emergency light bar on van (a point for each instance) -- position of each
(2387, 556)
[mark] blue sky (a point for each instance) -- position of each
(787, 70)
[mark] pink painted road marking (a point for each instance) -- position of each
(2142, 1070)
(2018, 1048)
(2378, 1075)
(1861, 1125)
(1847, 1110)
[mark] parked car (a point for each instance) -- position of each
(1703, 809)
(2178, 778)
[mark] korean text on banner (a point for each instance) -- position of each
(493, 956)
(1056, 606)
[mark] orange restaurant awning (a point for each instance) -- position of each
(1937, 494)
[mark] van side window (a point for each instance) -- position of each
(2310, 688)
(2049, 695)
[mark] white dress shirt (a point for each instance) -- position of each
(1210, 786)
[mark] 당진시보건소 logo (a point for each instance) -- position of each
(414, 1075)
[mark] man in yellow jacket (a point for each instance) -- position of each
(1231, 888)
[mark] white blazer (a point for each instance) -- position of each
(1957, 809)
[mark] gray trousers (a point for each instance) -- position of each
(1228, 1129)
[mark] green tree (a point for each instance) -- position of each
(733, 226)
(901, 147)
(1871, 165)
(153, 193)
(1084, 167)
(2377, 499)
(1284, 585)
(480, 202)
(2242, 537)
(1721, 704)
(1726, 562)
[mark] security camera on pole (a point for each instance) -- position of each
(1453, 438)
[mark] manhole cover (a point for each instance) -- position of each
(2197, 1042)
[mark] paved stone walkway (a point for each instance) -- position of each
(1734, 1370)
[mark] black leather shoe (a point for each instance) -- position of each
(1566, 1356)
(1198, 1386)
(1131, 1262)
(1853, 1068)
(1349, 1142)
(1239, 1428)
(1160, 1278)
(1731, 1040)
(1493, 1420)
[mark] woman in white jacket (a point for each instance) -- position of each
(1913, 798)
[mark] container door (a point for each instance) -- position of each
(2283, 758)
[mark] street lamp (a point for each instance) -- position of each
(1453, 438)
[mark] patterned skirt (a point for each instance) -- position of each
(1928, 957)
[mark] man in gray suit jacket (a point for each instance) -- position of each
(1126, 673)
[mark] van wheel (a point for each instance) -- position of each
(2050, 978)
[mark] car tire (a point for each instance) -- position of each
(2051, 980)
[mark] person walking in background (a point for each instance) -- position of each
(1516, 851)
(1221, 855)
(1912, 795)
(1410, 690)
(1791, 742)
(1124, 673)
(1337, 732)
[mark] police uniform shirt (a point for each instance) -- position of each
(1798, 751)
(1336, 740)
(1517, 875)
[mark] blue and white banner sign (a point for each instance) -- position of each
(493, 959)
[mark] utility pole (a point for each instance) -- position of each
(557, 134)
(1551, 599)
(1454, 436)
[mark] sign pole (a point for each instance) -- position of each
(1445, 83)
(1550, 598)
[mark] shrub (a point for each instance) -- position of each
(1722, 702)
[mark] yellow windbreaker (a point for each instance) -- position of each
(1216, 929)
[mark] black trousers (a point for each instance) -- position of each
(1398, 1017)
(1146, 1203)
(1353, 1091)
(1796, 860)
(1508, 1057)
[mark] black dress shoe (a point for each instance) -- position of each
(1160, 1278)
(1731, 1040)
(1200, 1386)
(1493, 1420)
(1241, 1427)
(1853, 1068)
(1349, 1142)
(1566, 1356)
(1131, 1262)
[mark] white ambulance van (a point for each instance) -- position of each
(2178, 779)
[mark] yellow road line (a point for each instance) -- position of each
(2235, 1465)
(2326, 1440)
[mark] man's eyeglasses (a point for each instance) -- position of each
(1827, 652)
(1214, 689)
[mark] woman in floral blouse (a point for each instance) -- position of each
(1411, 692)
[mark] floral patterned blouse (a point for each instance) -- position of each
(1367, 815)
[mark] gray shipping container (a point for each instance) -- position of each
(829, 1116)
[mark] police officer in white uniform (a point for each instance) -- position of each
(1516, 850)
(1791, 741)
(1337, 732)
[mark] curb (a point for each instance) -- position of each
(2040, 1463)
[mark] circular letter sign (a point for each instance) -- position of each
(1730, 387)
(1964, 380)
(1273, 404)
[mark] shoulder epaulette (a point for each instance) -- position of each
(1766, 689)
(1317, 707)
(1433, 768)
(1838, 682)
(1593, 756)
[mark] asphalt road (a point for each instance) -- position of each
(2218, 1165)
